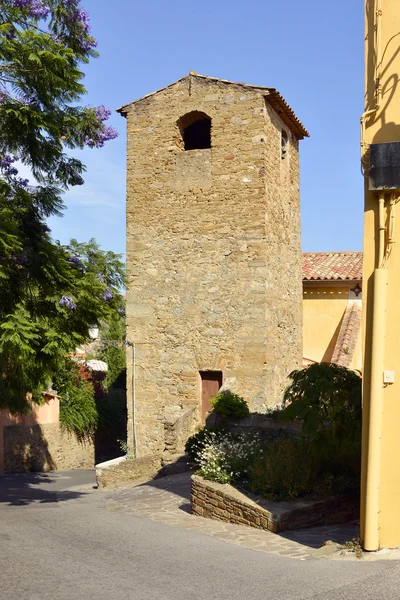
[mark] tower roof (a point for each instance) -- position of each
(272, 96)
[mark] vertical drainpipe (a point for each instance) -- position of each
(371, 530)
(371, 526)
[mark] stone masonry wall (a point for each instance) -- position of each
(213, 252)
(44, 448)
(225, 503)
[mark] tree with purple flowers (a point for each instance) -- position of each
(50, 295)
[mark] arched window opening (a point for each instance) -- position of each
(284, 144)
(195, 128)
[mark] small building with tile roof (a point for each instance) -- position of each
(332, 308)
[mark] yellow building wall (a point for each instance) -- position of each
(382, 47)
(323, 311)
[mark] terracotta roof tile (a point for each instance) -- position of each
(348, 335)
(332, 266)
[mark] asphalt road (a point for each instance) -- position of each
(60, 542)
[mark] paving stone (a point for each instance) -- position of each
(167, 500)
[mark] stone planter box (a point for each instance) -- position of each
(223, 502)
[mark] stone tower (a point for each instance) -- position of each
(213, 250)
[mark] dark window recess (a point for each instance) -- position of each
(211, 381)
(284, 144)
(198, 135)
(195, 128)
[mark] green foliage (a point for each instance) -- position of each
(280, 470)
(354, 546)
(112, 406)
(41, 83)
(274, 412)
(226, 458)
(78, 411)
(196, 442)
(228, 404)
(125, 449)
(41, 121)
(37, 332)
(327, 398)
(111, 410)
(115, 357)
(288, 468)
(284, 470)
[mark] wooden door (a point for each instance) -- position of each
(211, 381)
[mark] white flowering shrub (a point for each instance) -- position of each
(227, 458)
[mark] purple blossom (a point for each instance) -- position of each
(105, 132)
(22, 259)
(78, 180)
(102, 112)
(80, 17)
(11, 34)
(75, 260)
(36, 8)
(27, 100)
(6, 163)
(121, 310)
(68, 302)
(107, 294)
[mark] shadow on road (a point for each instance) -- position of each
(315, 537)
(40, 488)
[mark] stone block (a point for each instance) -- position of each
(44, 448)
(246, 509)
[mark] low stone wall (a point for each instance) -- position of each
(128, 470)
(178, 427)
(44, 448)
(266, 427)
(226, 503)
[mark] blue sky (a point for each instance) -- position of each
(311, 51)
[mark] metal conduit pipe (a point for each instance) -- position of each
(378, 66)
(382, 229)
(378, 48)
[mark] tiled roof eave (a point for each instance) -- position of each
(272, 95)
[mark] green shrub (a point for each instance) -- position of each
(327, 398)
(78, 411)
(228, 404)
(111, 409)
(283, 470)
(274, 412)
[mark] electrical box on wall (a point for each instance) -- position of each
(384, 169)
(388, 376)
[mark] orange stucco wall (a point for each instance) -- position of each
(41, 415)
(323, 310)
